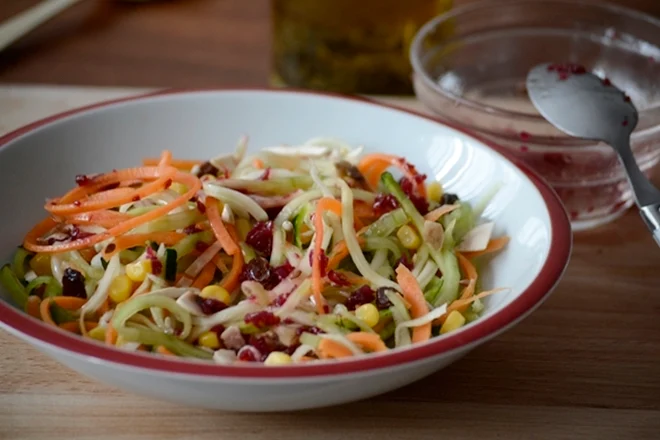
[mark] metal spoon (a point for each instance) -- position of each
(585, 106)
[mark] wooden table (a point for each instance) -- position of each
(586, 365)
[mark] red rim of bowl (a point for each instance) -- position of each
(481, 330)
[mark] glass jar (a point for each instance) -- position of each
(348, 46)
(476, 78)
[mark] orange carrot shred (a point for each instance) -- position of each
(32, 306)
(329, 349)
(205, 276)
(414, 295)
(494, 245)
(219, 228)
(324, 204)
(370, 341)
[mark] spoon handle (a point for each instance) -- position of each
(646, 194)
(14, 28)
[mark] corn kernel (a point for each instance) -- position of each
(209, 340)
(434, 191)
(138, 271)
(97, 333)
(243, 226)
(120, 289)
(408, 237)
(40, 264)
(454, 321)
(179, 188)
(368, 313)
(216, 292)
(276, 358)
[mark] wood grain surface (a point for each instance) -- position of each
(166, 43)
(584, 366)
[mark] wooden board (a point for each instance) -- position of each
(586, 365)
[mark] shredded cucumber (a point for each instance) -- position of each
(383, 243)
(277, 186)
(137, 304)
(52, 287)
(171, 222)
(451, 278)
(19, 263)
(15, 288)
(387, 224)
(155, 338)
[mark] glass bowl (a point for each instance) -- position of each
(470, 67)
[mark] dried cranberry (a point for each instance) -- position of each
(384, 203)
(249, 354)
(168, 183)
(210, 306)
(338, 279)
(406, 262)
(207, 168)
(192, 229)
(382, 301)
(73, 283)
(201, 246)
(76, 234)
(219, 329)
(110, 248)
(283, 271)
(136, 198)
(156, 265)
(323, 261)
(626, 98)
(265, 344)
(363, 295)
(524, 135)
(257, 270)
(273, 212)
(83, 179)
(606, 82)
(262, 319)
(260, 237)
(77, 203)
(200, 206)
(625, 122)
(308, 329)
(448, 199)
(265, 175)
(280, 300)
(420, 202)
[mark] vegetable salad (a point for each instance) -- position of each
(295, 254)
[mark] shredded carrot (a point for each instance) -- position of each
(339, 252)
(31, 241)
(370, 341)
(182, 164)
(164, 351)
(232, 279)
(205, 276)
(217, 260)
(167, 238)
(73, 326)
(494, 245)
(110, 334)
(32, 306)
(414, 295)
(459, 303)
(373, 165)
(75, 201)
(258, 164)
(329, 349)
(435, 215)
(364, 210)
(324, 204)
(103, 218)
(219, 228)
(66, 302)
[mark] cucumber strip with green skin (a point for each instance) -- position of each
(13, 285)
(53, 288)
(387, 332)
(387, 224)
(433, 290)
(445, 259)
(61, 315)
(19, 262)
(298, 222)
(154, 338)
(171, 257)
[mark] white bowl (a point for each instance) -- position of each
(41, 160)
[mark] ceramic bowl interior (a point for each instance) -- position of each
(41, 162)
